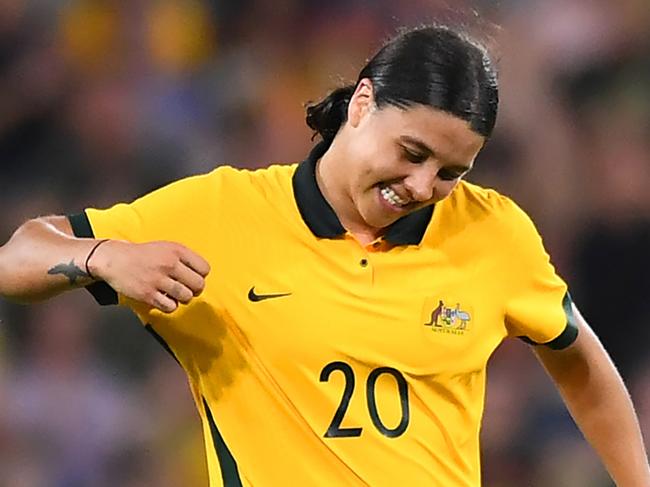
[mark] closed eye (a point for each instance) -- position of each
(446, 173)
(450, 174)
(414, 157)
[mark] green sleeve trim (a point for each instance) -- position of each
(229, 471)
(161, 341)
(570, 333)
(101, 291)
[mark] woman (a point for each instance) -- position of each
(342, 335)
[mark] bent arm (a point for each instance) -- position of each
(43, 259)
(600, 404)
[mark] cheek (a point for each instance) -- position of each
(375, 159)
(367, 172)
(377, 168)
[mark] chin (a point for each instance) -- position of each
(380, 222)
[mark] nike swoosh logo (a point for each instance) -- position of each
(261, 297)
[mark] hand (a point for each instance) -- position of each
(159, 274)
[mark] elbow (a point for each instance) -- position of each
(9, 288)
(25, 258)
(13, 266)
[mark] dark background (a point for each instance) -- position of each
(102, 101)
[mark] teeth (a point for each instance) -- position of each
(390, 196)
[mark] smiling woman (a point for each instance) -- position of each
(335, 317)
(409, 128)
(386, 163)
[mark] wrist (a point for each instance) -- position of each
(94, 264)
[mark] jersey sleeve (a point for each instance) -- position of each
(185, 212)
(538, 306)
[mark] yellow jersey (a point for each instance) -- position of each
(315, 360)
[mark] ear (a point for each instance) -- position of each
(361, 103)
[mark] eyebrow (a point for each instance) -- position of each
(428, 150)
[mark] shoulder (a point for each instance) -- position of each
(476, 202)
(276, 176)
(506, 221)
(257, 196)
(482, 217)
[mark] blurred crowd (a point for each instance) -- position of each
(104, 100)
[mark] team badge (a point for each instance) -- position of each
(452, 319)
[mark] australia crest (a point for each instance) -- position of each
(449, 318)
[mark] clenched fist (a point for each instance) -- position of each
(159, 274)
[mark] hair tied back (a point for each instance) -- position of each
(327, 116)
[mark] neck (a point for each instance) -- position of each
(330, 176)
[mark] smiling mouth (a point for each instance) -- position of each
(392, 198)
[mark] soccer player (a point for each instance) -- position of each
(335, 317)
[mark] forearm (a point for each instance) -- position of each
(43, 259)
(601, 406)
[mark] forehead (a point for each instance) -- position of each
(450, 137)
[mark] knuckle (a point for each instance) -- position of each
(195, 287)
(150, 298)
(178, 249)
(186, 297)
(169, 264)
(178, 267)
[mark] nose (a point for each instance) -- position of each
(420, 183)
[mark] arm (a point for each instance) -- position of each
(43, 259)
(600, 404)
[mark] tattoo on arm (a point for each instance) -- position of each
(71, 271)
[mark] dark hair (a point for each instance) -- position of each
(432, 65)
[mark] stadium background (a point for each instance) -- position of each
(101, 101)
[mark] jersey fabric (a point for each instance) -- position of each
(314, 360)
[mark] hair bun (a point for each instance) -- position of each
(327, 116)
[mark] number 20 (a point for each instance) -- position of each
(335, 431)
